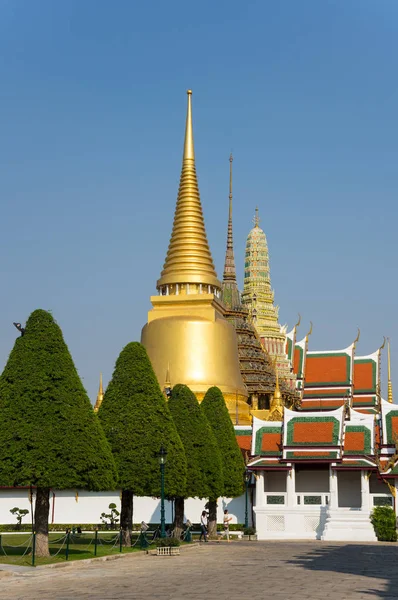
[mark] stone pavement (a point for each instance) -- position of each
(235, 571)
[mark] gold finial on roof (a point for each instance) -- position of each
(383, 344)
(298, 322)
(357, 338)
(188, 257)
(389, 389)
(276, 405)
(309, 332)
(100, 395)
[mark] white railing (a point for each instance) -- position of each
(381, 500)
(275, 498)
(311, 499)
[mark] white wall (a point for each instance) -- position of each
(80, 506)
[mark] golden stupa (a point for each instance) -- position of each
(187, 336)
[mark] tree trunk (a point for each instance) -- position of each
(212, 520)
(42, 510)
(126, 516)
(179, 516)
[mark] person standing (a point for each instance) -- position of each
(227, 519)
(203, 526)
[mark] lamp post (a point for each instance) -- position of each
(162, 461)
(247, 479)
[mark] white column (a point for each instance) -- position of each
(260, 494)
(365, 497)
(291, 487)
(177, 289)
(334, 501)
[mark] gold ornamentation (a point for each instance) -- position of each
(189, 259)
(187, 326)
(357, 338)
(77, 496)
(100, 395)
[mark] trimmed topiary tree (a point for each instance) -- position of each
(204, 474)
(137, 422)
(49, 434)
(233, 466)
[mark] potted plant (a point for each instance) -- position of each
(168, 546)
(249, 533)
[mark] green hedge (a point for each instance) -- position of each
(384, 523)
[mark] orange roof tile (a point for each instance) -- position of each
(327, 368)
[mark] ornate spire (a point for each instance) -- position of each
(229, 267)
(256, 219)
(229, 292)
(389, 389)
(100, 395)
(277, 406)
(188, 259)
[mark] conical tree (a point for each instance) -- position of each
(137, 422)
(49, 434)
(233, 466)
(204, 474)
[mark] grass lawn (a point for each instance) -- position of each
(17, 548)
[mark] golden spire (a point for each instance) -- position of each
(389, 392)
(229, 267)
(100, 395)
(276, 405)
(188, 259)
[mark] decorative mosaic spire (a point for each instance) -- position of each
(389, 390)
(257, 293)
(229, 291)
(188, 261)
(258, 298)
(100, 395)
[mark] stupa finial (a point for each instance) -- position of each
(256, 219)
(188, 259)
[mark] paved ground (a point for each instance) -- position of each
(252, 570)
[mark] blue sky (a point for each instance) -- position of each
(92, 112)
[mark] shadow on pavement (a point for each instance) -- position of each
(356, 559)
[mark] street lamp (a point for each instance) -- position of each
(162, 462)
(247, 479)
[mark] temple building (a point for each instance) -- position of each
(187, 337)
(318, 438)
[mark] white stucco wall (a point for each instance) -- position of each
(80, 506)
